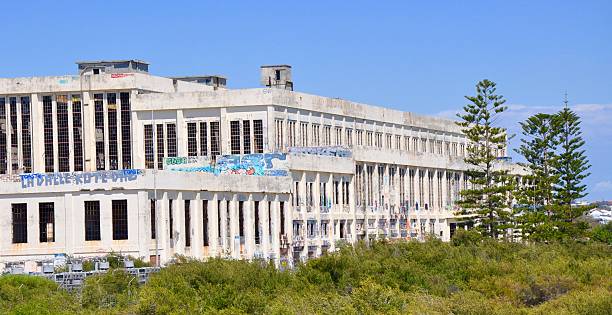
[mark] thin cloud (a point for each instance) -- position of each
(603, 186)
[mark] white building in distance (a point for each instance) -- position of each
(115, 159)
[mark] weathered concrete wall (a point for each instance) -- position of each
(100, 82)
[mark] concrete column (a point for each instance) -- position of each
(137, 136)
(163, 229)
(142, 232)
(213, 227)
(106, 131)
(137, 141)
(19, 136)
(71, 134)
(38, 146)
(264, 229)
(55, 150)
(119, 133)
(275, 215)
(88, 133)
(234, 227)
(224, 232)
(445, 191)
(181, 134)
(179, 224)
(68, 228)
(197, 225)
(106, 223)
(224, 131)
(249, 227)
(270, 143)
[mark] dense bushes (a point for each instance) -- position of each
(471, 276)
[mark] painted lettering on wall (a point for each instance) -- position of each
(121, 75)
(77, 178)
(173, 163)
(265, 164)
(324, 151)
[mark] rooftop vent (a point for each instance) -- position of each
(112, 66)
(215, 81)
(277, 76)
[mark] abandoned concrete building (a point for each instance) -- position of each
(114, 159)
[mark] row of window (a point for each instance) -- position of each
(242, 136)
(339, 196)
(203, 139)
(223, 220)
(417, 183)
(101, 127)
(46, 221)
(161, 140)
(311, 135)
(18, 107)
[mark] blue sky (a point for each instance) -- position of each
(419, 56)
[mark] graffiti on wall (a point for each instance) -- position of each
(264, 164)
(324, 151)
(177, 163)
(77, 178)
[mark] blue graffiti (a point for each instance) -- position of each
(324, 151)
(263, 164)
(77, 178)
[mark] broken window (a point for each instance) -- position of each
(20, 222)
(187, 223)
(257, 223)
(170, 219)
(205, 221)
(215, 139)
(258, 135)
(46, 220)
(171, 141)
(14, 136)
(63, 144)
(160, 146)
(92, 220)
(48, 133)
(192, 140)
(113, 153)
(235, 136)
(203, 139)
(246, 136)
(77, 133)
(126, 144)
(99, 131)
(3, 152)
(120, 219)
(279, 134)
(153, 219)
(148, 146)
(26, 134)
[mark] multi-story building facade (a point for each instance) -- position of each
(116, 159)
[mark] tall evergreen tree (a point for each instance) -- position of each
(536, 195)
(488, 196)
(571, 170)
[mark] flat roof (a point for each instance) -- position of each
(199, 76)
(112, 61)
(275, 66)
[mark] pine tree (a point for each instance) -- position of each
(488, 197)
(571, 170)
(536, 196)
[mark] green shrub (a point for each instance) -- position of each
(24, 294)
(113, 289)
(471, 275)
(466, 237)
(602, 233)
